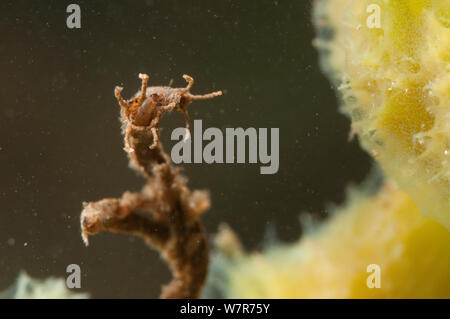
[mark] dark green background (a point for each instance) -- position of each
(60, 141)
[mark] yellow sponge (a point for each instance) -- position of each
(395, 81)
(387, 230)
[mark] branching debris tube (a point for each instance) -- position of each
(166, 214)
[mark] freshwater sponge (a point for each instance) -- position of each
(387, 230)
(395, 85)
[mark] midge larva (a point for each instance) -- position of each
(166, 214)
(145, 109)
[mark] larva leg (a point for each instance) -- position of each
(137, 127)
(155, 121)
(130, 128)
(153, 129)
(155, 138)
(190, 81)
(169, 107)
(203, 97)
(127, 147)
(186, 117)
(144, 78)
(188, 125)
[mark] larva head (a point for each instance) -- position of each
(143, 114)
(140, 109)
